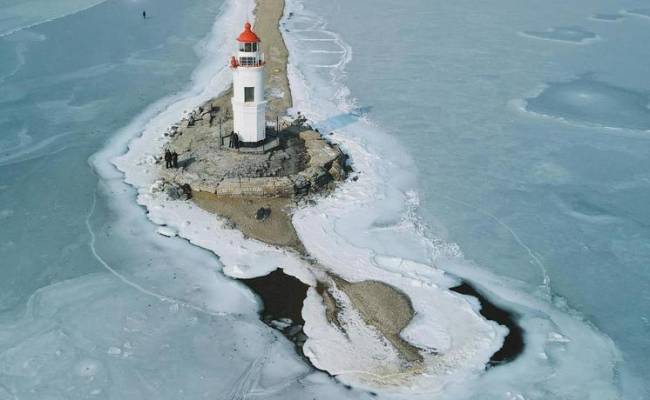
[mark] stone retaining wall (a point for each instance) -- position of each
(325, 164)
(268, 186)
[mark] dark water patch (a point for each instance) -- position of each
(282, 297)
(513, 345)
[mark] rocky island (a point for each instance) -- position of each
(250, 186)
(255, 189)
(251, 173)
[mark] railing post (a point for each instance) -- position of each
(220, 134)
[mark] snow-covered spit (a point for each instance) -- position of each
(455, 338)
(441, 315)
(366, 230)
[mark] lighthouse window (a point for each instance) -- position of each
(249, 94)
(248, 47)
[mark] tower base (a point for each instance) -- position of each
(270, 142)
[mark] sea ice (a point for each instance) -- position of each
(569, 34)
(114, 351)
(641, 12)
(6, 213)
(167, 231)
(372, 225)
(356, 353)
(27, 14)
(607, 17)
(593, 103)
(96, 335)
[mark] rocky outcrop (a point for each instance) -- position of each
(337, 172)
(309, 135)
(317, 176)
(320, 152)
(303, 164)
(325, 161)
(173, 190)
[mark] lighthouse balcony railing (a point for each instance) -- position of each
(251, 61)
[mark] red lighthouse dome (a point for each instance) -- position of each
(248, 36)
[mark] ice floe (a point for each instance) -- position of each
(593, 103)
(25, 15)
(639, 12)
(607, 17)
(167, 231)
(568, 34)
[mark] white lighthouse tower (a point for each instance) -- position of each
(248, 104)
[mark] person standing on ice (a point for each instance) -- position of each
(144, 14)
(168, 158)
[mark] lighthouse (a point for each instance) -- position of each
(248, 103)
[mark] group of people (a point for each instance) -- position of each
(234, 140)
(171, 159)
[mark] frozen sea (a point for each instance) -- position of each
(505, 144)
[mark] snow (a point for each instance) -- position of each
(167, 231)
(357, 355)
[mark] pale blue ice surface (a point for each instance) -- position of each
(65, 85)
(593, 103)
(513, 143)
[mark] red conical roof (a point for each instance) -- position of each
(248, 36)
